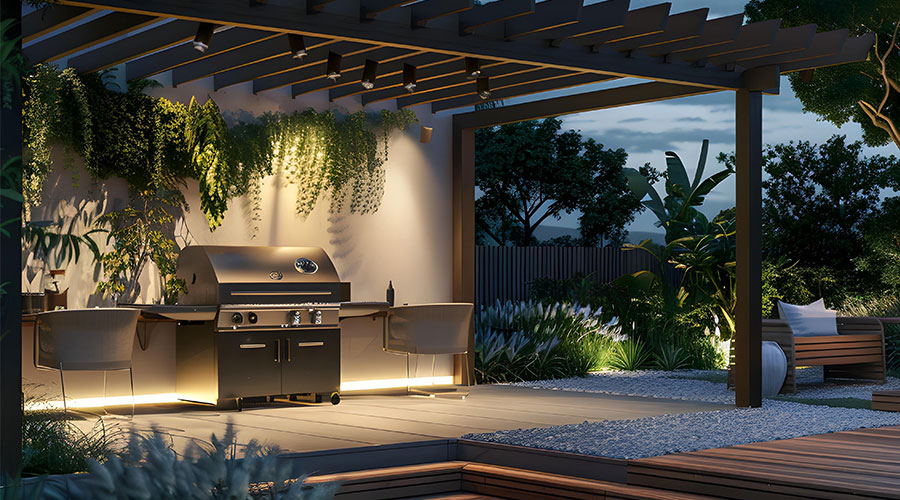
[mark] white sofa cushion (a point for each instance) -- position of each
(809, 321)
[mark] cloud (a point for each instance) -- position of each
(690, 119)
(633, 120)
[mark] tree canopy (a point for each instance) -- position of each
(848, 92)
(532, 171)
(818, 199)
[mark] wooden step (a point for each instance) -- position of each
(456, 480)
(886, 400)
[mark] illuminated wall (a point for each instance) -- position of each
(408, 241)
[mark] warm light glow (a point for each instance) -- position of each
(395, 383)
(139, 399)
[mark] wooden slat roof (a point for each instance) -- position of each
(524, 47)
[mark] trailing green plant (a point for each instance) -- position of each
(630, 354)
(532, 341)
(159, 143)
(150, 468)
(139, 235)
(671, 358)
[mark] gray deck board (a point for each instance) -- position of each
(375, 420)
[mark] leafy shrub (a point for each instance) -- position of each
(671, 358)
(531, 341)
(53, 444)
(630, 354)
(151, 469)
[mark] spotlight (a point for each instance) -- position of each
(298, 46)
(473, 68)
(334, 66)
(409, 77)
(483, 86)
(370, 71)
(204, 36)
(425, 134)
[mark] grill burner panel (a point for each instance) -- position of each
(276, 330)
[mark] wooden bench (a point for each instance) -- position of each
(886, 400)
(857, 352)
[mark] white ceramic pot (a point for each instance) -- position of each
(774, 368)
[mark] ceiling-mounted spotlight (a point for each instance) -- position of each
(204, 36)
(333, 70)
(409, 77)
(473, 68)
(483, 86)
(370, 71)
(298, 46)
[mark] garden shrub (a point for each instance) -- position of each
(151, 469)
(519, 341)
(887, 305)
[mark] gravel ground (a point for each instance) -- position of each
(660, 435)
(689, 385)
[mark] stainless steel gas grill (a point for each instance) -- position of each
(273, 328)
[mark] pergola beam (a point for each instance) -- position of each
(390, 74)
(524, 89)
(429, 10)
(178, 55)
(390, 60)
(271, 55)
(751, 36)
(854, 49)
(135, 46)
(446, 80)
(787, 41)
(594, 18)
(638, 23)
(717, 31)
(823, 45)
(281, 18)
(84, 36)
(51, 17)
(547, 15)
(494, 12)
(316, 68)
(680, 27)
(371, 8)
(467, 88)
(577, 103)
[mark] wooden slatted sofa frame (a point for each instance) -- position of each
(857, 352)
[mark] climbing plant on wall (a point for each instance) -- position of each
(156, 144)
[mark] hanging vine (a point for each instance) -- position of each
(158, 144)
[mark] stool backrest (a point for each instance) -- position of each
(85, 339)
(429, 328)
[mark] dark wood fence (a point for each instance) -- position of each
(506, 273)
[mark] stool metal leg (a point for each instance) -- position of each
(131, 379)
(62, 385)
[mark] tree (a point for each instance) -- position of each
(818, 199)
(866, 92)
(531, 171)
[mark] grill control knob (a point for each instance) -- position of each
(315, 317)
(237, 318)
(252, 318)
(295, 318)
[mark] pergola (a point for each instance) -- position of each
(455, 53)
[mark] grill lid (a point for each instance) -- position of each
(256, 274)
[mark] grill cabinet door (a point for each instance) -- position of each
(313, 363)
(249, 364)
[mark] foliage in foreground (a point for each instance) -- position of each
(151, 469)
(53, 444)
(531, 341)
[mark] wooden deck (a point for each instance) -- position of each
(862, 464)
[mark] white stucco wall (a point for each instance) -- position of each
(408, 241)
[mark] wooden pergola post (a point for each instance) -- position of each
(11, 273)
(748, 310)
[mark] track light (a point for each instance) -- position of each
(370, 71)
(334, 66)
(204, 36)
(483, 86)
(409, 77)
(298, 46)
(473, 68)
